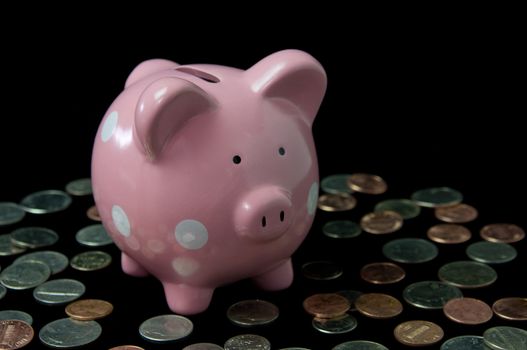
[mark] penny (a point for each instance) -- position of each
(25, 275)
(247, 341)
(430, 294)
(166, 328)
(467, 311)
(202, 346)
(93, 236)
(360, 345)
(404, 207)
(449, 233)
(491, 252)
(91, 260)
(410, 250)
(321, 270)
(328, 305)
(128, 347)
(456, 214)
(80, 187)
(56, 261)
(335, 184)
(502, 233)
(341, 229)
(367, 183)
(336, 202)
(68, 333)
(10, 213)
(464, 342)
(93, 214)
(418, 333)
(44, 202)
(338, 325)
(252, 312)
(351, 295)
(382, 273)
(34, 237)
(467, 274)
(511, 308)
(378, 305)
(437, 197)
(7, 247)
(16, 315)
(505, 338)
(381, 222)
(59, 291)
(15, 334)
(89, 309)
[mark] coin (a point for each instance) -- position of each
(381, 222)
(410, 250)
(3, 291)
(252, 312)
(437, 197)
(511, 308)
(404, 207)
(89, 309)
(467, 274)
(338, 325)
(491, 252)
(449, 233)
(7, 247)
(351, 295)
(418, 333)
(457, 214)
(16, 315)
(367, 183)
(321, 270)
(15, 334)
(341, 229)
(464, 342)
(59, 291)
(44, 202)
(165, 328)
(430, 294)
(34, 237)
(360, 345)
(56, 261)
(382, 273)
(505, 338)
(326, 305)
(10, 213)
(502, 233)
(93, 236)
(80, 187)
(467, 311)
(378, 305)
(336, 202)
(91, 260)
(68, 333)
(128, 347)
(203, 346)
(93, 214)
(247, 341)
(25, 275)
(335, 184)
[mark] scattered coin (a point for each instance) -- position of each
(16, 315)
(34, 237)
(437, 197)
(360, 345)
(410, 250)
(404, 207)
(93, 236)
(351, 295)
(25, 275)
(59, 291)
(336, 202)
(3, 291)
(165, 328)
(7, 247)
(56, 261)
(10, 213)
(505, 338)
(247, 341)
(252, 312)
(93, 214)
(511, 308)
(467, 311)
(502, 233)
(203, 346)
(382, 273)
(335, 184)
(68, 333)
(491, 252)
(80, 187)
(128, 347)
(44, 202)
(91, 260)
(89, 309)
(338, 325)
(341, 229)
(449, 233)
(418, 333)
(467, 274)
(456, 214)
(15, 334)
(367, 183)
(381, 222)
(327, 305)
(464, 342)
(378, 305)
(430, 294)
(321, 270)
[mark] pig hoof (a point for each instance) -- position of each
(132, 267)
(187, 300)
(277, 278)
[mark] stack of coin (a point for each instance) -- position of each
(330, 313)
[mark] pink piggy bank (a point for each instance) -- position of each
(204, 175)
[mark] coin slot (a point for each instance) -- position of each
(281, 151)
(236, 159)
(199, 74)
(264, 221)
(282, 216)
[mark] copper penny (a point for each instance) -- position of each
(367, 183)
(93, 213)
(502, 233)
(418, 333)
(328, 305)
(15, 334)
(378, 305)
(337, 202)
(382, 273)
(456, 214)
(89, 309)
(449, 233)
(467, 311)
(127, 347)
(381, 222)
(511, 308)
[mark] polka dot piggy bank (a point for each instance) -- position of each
(204, 175)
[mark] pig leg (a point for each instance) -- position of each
(187, 300)
(132, 267)
(279, 277)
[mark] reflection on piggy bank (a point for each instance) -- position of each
(204, 175)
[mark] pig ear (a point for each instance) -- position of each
(292, 75)
(147, 68)
(163, 108)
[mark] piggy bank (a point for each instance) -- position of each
(204, 175)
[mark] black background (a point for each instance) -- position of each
(421, 103)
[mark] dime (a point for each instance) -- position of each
(247, 341)
(16, 315)
(378, 305)
(502, 233)
(410, 250)
(404, 207)
(89, 309)
(15, 334)
(202, 346)
(93, 214)
(68, 333)
(336, 184)
(7, 247)
(511, 308)
(418, 333)
(252, 312)
(467, 274)
(165, 328)
(437, 197)
(491, 253)
(34, 237)
(505, 338)
(360, 345)
(321, 270)
(25, 275)
(467, 311)
(382, 273)
(44, 202)
(430, 294)
(381, 222)
(91, 260)
(328, 305)
(59, 291)
(464, 342)
(351, 295)
(336, 202)
(93, 236)
(367, 183)
(456, 214)
(449, 233)
(338, 325)
(10, 213)
(56, 261)
(80, 187)
(341, 229)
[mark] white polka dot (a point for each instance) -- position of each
(312, 198)
(185, 266)
(133, 243)
(120, 220)
(191, 234)
(109, 126)
(156, 246)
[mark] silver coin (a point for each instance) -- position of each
(360, 345)
(430, 294)
(321, 270)
(66, 333)
(79, 187)
(44, 202)
(410, 250)
(342, 324)
(166, 328)
(16, 315)
(505, 338)
(10, 213)
(404, 207)
(91, 260)
(341, 229)
(491, 252)
(3, 291)
(203, 346)
(252, 312)
(59, 291)
(93, 236)
(7, 247)
(467, 274)
(247, 342)
(56, 261)
(437, 197)
(25, 275)
(336, 184)
(464, 342)
(34, 237)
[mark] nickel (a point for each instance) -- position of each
(44, 202)
(491, 253)
(404, 207)
(410, 250)
(252, 313)
(91, 260)
(430, 294)
(68, 333)
(10, 213)
(467, 274)
(165, 328)
(437, 197)
(247, 341)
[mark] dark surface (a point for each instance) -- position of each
(421, 108)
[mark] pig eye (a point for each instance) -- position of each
(236, 159)
(281, 151)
